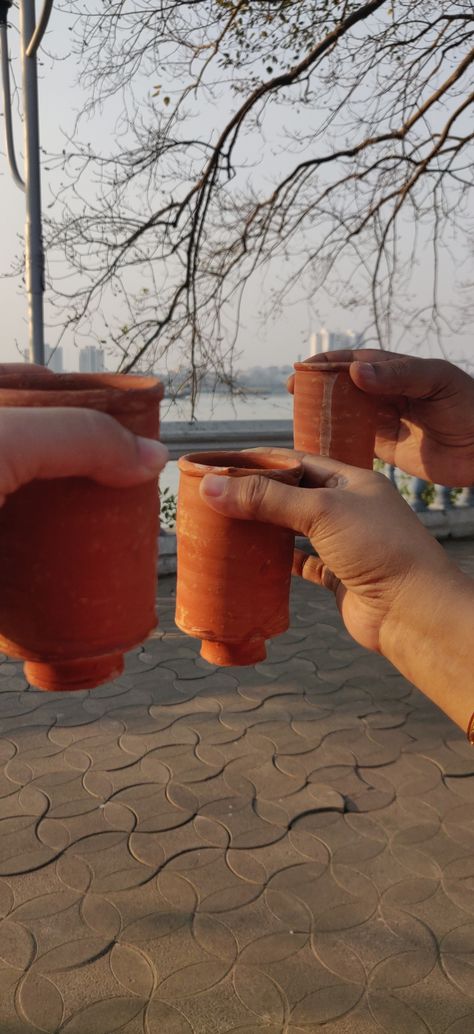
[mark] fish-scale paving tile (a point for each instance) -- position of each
(292, 668)
(153, 808)
(244, 719)
(338, 897)
(458, 883)
(339, 726)
(316, 760)
(459, 825)
(453, 759)
(219, 887)
(105, 1012)
(324, 659)
(271, 783)
(315, 995)
(27, 844)
(163, 731)
(375, 793)
(461, 788)
(246, 828)
(365, 841)
(284, 644)
(388, 687)
(111, 865)
(207, 726)
(433, 840)
(437, 1002)
(326, 829)
(406, 951)
(410, 847)
(312, 798)
(192, 766)
(371, 751)
(442, 798)
(283, 737)
(457, 958)
(412, 776)
(285, 864)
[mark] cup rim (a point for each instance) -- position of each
(198, 464)
(332, 367)
(75, 389)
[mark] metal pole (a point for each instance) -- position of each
(34, 255)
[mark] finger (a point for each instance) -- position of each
(319, 471)
(344, 355)
(39, 443)
(405, 375)
(257, 498)
(312, 569)
(348, 355)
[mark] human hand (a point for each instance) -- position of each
(373, 553)
(69, 442)
(426, 412)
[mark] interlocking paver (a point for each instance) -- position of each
(191, 850)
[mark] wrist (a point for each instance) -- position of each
(427, 635)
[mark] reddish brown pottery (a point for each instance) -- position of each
(233, 575)
(78, 559)
(331, 416)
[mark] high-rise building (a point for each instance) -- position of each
(53, 358)
(91, 359)
(328, 340)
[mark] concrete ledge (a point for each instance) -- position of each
(457, 523)
(436, 522)
(166, 552)
(460, 522)
(208, 435)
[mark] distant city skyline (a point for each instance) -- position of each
(54, 358)
(324, 340)
(91, 359)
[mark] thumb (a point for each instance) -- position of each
(405, 375)
(257, 498)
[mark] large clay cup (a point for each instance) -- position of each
(78, 559)
(233, 575)
(332, 417)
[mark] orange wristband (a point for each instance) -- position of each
(470, 731)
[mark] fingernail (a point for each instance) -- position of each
(152, 455)
(368, 372)
(214, 485)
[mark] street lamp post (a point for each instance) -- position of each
(31, 34)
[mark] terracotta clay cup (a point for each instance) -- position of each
(78, 559)
(233, 575)
(331, 416)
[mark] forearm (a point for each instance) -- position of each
(429, 637)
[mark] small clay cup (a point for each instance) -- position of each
(233, 575)
(78, 559)
(331, 416)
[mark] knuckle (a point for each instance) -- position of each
(253, 491)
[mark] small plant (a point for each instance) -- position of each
(168, 507)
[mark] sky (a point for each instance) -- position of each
(270, 342)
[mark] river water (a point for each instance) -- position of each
(223, 407)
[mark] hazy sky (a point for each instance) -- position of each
(274, 342)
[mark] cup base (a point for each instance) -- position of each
(226, 655)
(65, 676)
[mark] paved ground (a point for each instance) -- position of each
(195, 851)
